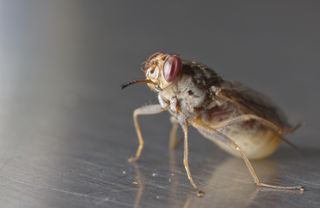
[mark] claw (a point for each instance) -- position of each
(200, 193)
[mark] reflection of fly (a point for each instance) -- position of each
(239, 120)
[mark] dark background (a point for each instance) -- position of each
(66, 128)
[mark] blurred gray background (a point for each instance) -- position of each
(66, 128)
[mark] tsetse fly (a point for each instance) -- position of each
(238, 119)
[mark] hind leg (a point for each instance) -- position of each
(232, 144)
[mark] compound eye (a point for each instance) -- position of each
(172, 68)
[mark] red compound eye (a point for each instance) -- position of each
(172, 67)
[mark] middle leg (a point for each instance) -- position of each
(173, 140)
(184, 126)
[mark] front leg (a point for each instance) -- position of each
(144, 110)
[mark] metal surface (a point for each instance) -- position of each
(66, 129)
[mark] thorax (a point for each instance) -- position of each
(185, 98)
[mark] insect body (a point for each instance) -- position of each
(238, 119)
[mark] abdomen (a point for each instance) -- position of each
(257, 141)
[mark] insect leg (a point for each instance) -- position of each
(184, 126)
(227, 140)
(246, 117)
(145, 110)
(292, 129)
(219, 93)
(173, 141)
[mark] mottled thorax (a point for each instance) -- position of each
(191, 93)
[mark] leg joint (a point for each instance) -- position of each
(185, 162)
